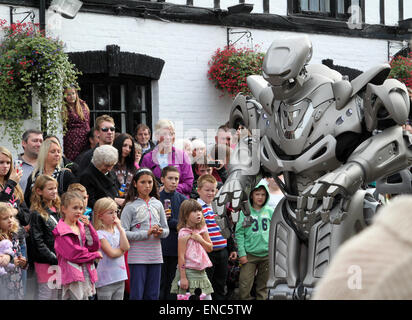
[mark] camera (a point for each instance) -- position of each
(214, 164)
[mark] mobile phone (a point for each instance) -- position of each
(18, 165)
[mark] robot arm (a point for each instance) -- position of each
(244, 172)
(380, 155)
(386, 108)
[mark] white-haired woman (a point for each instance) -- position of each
(98, 179)
(165, 154)
(49, 162)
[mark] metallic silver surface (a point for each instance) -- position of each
(311, 128)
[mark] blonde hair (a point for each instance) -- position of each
(77, 106)
(205, 178)
(42, 156)
(6, 209)
(186, 208)
(68, 197)
(102, 205)
(76, 187)
(164, 124)
(17, 190)
(36, 200)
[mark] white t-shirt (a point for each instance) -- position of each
(110, 270)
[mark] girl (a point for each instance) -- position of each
(144, 220)
(138, 155)
(11, 283)
(193, 244)
(111, 270)
(76, 115)
(124, 169)
(45, 208)
(11, 192)
(76, 244)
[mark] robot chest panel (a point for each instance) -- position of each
(303, 138)
(297, 128)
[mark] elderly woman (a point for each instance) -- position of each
(165, 154)
(98, 179)
(49, 162)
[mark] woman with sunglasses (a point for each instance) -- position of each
(76, 115)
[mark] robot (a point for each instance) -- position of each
(328, 137)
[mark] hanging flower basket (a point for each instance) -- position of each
(31, 62)
(229, 67)
(401, 69)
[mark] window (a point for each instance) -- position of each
(336, 9)
(126, 99)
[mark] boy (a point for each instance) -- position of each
(253, 244)
(170, 180)
(82, 190)
(217, 274)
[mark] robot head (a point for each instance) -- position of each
(284, 63)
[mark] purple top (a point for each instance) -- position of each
(75, 139)
(177, 158)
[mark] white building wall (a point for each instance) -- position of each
(183, 93)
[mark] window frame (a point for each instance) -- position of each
(294, 8)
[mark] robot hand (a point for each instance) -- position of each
(336, 186)
(231, 191)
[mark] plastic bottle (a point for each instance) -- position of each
(122, 190)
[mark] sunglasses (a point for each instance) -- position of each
(104, 129)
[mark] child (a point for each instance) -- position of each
(253, 244)
(170, 180)
(144, 220)
(82, 190)
(194, 243)
(138, 155)
(111, 271)
(11, 283)
(5, 249)
(76, 244)
(206, 188)
(45, 207)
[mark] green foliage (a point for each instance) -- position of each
(31, 62)
(229, 68)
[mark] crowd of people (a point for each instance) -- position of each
(121, 216)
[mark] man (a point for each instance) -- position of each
(105, 131)
(31, 142)
(223, 135)
(93, 142)
(142, 137)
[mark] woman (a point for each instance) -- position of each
(98, 178)
(49, 162)
(165, 154)
(76, 115)
(11, 193)
(125, 167)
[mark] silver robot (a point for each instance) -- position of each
(328, 137)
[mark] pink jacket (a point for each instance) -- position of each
(71, 255)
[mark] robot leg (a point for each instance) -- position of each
(325, 238)
(284, 254)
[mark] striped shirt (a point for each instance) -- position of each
(219, 242)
